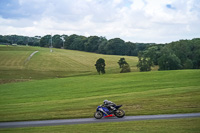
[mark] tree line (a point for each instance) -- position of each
(94, 44)
(183, 54)
(20, 40)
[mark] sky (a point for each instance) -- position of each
(147, 21)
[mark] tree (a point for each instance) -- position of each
(100, 66)
(124, 65)
(195, 53)
(45, 41)
(115, 47)
(78, 43)
(69, 41)
(92, 44)
(4, 40)
(168, 60)
(142, 46)
(102, 45)
(75, 42)
(153, 52)
(181, 49)
(144, 63)
(57, 41)
(188, 64)
(131, 49)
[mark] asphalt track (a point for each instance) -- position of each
(93, 120)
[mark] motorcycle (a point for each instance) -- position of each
(104, 111)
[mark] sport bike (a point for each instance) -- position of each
(102, 111)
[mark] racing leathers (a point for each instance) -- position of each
(110, 105)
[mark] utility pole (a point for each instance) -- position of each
(27, 41)
(63, 39)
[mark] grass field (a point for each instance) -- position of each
(64, 84)
(56, 64)
(189, 125)
(158, 92)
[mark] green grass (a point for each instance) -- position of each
(80, 90)
(158, 92)
(46, 64)
(188, 125)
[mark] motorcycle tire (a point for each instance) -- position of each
(98, 115)
(120, 113)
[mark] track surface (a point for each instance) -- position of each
(30, 57)
(92, 120)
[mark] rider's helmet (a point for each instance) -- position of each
(105, 102)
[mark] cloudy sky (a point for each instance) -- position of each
(159, 21)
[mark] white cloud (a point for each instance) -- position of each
(138, 5)
(132, 20)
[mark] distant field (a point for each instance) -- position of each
(158, 92)
(59, 63)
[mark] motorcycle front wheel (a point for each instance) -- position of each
(98, 115)
(120, 113)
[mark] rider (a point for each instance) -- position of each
(110, 105)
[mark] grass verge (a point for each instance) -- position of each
(187, 125)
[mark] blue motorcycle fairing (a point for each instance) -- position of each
(105, 110)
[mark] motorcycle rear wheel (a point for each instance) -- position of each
(120, 113)
(98, 115)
